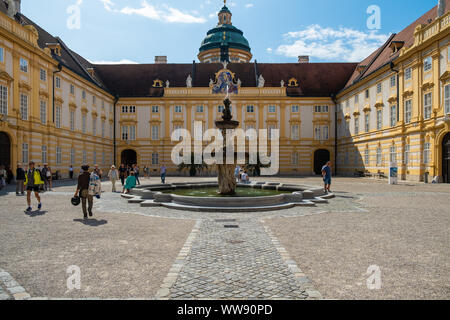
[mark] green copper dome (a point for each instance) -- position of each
(225, 35)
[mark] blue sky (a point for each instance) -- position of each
(278, 31)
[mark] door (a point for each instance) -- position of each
(5, 150)
(129, 157)
(446, 158)
(321, 157)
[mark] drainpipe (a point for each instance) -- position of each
(333, 97)
(116, 98)
(398, 90)
(55, 72)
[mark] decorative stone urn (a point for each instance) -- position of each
(226, 179)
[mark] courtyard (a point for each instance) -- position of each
(128, 252)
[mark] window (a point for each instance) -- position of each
(84, 157)
(83, 123)
(366, 157)
(427, 64)
(427, 105)
(2, 55)
(393, 154)
(178, 109)
(393, 81)
(72, 120)
(43, 112)
(103, 104)
(124, 109)
(199, 109)
(72, 156)
(83, 95)
(23, 65)
(379, 156)
(125, 133)
(94, 126)
(155, 109)
(132, 109)
(103, 129)
(294, 159)
(94, 99)
(408, 74)
(427, 153)
(393, 116)
(367, 94)
(25, 153)
(325, 133)
(347, 103)
(250, 109)
(43, 75)
(155, 159)
(379, 87)
(356, 98)
(58, 155)
(72, 89)
(295, 109)
(272, 109)
(379, 119)
(347, 126)
(3, 100)
(317, 133)
(357, 125)
(447, 98)
(155, 132)
(220, 109)
(321, 133)
(58, 82)
(408, 111)
(321, 109)
(24, 107)
(367, 122)
(406, 154)
(44, 154)
(58, 117)
(294, 132)
(132, 135)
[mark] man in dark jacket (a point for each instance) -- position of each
(20, 177)
(83, 191)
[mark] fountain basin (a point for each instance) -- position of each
(204, 196)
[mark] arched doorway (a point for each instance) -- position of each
(321, 157)
(128, 157)
(446, 158)
(5, 150)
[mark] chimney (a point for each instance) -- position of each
(160, 59)
(441, 8)
(303, 59)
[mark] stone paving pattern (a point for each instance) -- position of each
(129, 252)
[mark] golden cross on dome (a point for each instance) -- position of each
(224, 2)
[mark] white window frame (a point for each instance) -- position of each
(24, 107)
(94, 126)
(43, 75)
(408, 111)
(2, 55)
(83, 122)
(132, 135)
(199, 109)
(43, 111)
(408, 74)
(3, 100)
(406, 154)
(295, 109)
(72, 120)
(155, 133)
(367, 122)
(23, 65)
(427, 105)
(356, 123)
(393, 81)
(58, 112)
(393, 154)
(72, 89)
(427, 64)
(83, 94)
(44, 154)
(155, 159)
(155, 109)
(379, 156)
(447, 98)
(125, 133)
(294, 158)
(58, 82)
(272, 109)
(103, 128)
(25, 153)
(427, 153)
(58, 155)
(367, 157)
(379, 87)
(250, 109)
(178, 109)
(379, 119)
(393, 115)
(295, 132)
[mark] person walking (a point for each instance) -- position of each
(32, 182)
(88, 186)
(44, 176)
(146, 171)
(163, 171)
(20, 178)
(136, 174)
(326, 174)
(98, 171)
(130, 183)
(2, 177)
(9, 175)
(71, 172)
(122, 173)
(113, 175)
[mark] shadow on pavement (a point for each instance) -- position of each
(91, 222)
(35, 213)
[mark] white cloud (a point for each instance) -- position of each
(249, 5)
(123, 61)
(167, 14)
(269, 50)
(108, 4)
(343, 44)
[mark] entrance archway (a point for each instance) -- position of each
(128, 157)
(5, 149)
(321, 157)
(446, 158)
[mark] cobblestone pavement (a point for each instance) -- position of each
(235, 259)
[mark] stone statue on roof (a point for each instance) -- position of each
(261, 81)
(211, 82)
(282, 83)
(239, 82)
(167, 84)
(189, 81)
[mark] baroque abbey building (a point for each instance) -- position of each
(393, 107)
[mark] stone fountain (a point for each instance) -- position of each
(226, 179)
